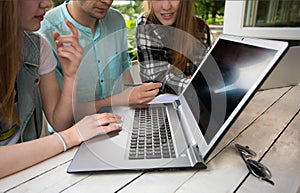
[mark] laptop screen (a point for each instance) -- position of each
(222, 81)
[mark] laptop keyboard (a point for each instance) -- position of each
(151, 136)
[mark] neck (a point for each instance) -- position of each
(82, 17)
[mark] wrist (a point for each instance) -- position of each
(71, 137)
(70, 81)
(70, 78)
(121, 98)
(62, 140)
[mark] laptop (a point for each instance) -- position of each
(286, 72)
(183, 133)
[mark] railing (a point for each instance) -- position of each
(216, 30)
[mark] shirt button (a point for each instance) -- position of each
(98, 61)
(101, 81)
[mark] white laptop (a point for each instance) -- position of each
(186, 131)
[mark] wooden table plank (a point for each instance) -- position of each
(284, 162)
(52, 181)
(39, 169)
(56, 179)
(165, 181)
(110, 182)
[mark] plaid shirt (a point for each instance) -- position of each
(154, 47)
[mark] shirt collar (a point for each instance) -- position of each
(78, 25)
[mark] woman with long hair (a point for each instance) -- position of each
(28, 87)
(171, 42)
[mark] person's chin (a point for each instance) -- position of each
(36, 28)
(100, 15)
(167, 22)
(33, 28)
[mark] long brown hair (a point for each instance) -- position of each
(185, 21)
(10, 44)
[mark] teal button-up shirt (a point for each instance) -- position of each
(105, 55)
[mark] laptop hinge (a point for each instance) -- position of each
(197, 157)
(175, 104)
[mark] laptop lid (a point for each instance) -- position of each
(286, 72)
(226, 80)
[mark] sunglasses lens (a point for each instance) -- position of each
(245, 150)
(258, 169)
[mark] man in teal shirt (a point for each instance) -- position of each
(105, 64)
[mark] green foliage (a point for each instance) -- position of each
(131, 10)
(130, 25)
(215, 21)
(210, 10)
(57, 2)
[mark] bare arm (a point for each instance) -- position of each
(127, 78)
(23, 155)
(58, 105)
(129, 96)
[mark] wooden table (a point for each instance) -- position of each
(269, 125)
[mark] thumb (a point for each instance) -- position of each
(55, 35)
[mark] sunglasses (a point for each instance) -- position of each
(257, 169)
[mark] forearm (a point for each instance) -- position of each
(23, 155)
(88, 108)
(69, 53)
(63, 112)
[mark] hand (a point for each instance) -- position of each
(69, 50)
(142, 94)
(97, 124)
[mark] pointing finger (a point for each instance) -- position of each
(72, 28)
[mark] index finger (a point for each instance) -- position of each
(151, 85)
(72, 28)
(107, 115)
